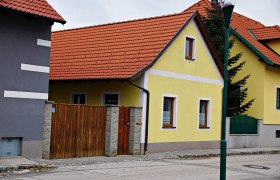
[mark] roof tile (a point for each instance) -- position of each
(116, 50)
(120, 50)
(267, 33)
(35, 7)
(241, 24)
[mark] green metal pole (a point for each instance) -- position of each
(224, 114)
(227, 10)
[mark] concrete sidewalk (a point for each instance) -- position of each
(18, 163)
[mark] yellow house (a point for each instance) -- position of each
(261, 51)
(169, 56)
(260, 46)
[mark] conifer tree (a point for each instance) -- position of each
(237, 90)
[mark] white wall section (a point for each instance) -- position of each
(35, 68)
(42, 42)
(25, 95)
(185, 77)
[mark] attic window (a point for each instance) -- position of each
(190, 48)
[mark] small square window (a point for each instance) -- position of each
(203, 114)
(277, 133)
(278, 99)
(78, 98)
(168, 112)
(189, 48)
(111, 99)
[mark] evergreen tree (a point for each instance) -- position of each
(237, 92)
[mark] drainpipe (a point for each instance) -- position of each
(147, 114)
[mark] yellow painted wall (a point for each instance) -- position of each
(271, 114)
(60, 92)
(274, 44)
(188, 93)
(174, 57)
(255, 83)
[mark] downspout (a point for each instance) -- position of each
(147, 114)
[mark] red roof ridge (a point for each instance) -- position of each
(249, 19)
(126, 21)
(275, 26)
(196, 4)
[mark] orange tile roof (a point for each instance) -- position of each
(241, 24)
(200, 7)
(267, 33)
(35, 7)
(123, 50)
(112, 51)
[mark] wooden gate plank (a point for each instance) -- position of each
(123, 134)
(77, 131)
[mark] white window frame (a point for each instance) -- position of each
(193, 48)
(277, 87)
(175, 111)
(109, 92)
(72, 97)
(209, 112)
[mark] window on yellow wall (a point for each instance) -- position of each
(111, 99)
(278, 98)
(189, 48)
(79, 98)
(168, 112)
(204, 113)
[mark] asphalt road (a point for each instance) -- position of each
(238, 167)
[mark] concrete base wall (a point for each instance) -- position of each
(32, 149)
(181, 146)
(266, 137)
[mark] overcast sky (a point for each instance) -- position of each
(79, 13)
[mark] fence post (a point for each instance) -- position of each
(135, 130)
(47, 130)
(112, 125)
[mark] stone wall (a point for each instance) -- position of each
(135, 130)
(112, 124)
(47, 130)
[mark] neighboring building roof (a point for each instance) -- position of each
(35, 7)
(241, 26)
(267, 33)
(119, 50)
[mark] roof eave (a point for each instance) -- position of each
(90, 79)
(143, 70)
(33, 15)
(201, 27)
(251, 47)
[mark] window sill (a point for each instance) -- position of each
(204, 127)
(189, 59)
(168, 127)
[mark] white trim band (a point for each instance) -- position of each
(35, 68)
(25, 95)
(42, 42)
(184, 77)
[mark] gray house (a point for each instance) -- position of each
(25, 34)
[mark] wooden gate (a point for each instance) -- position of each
(123, 134)
(77, 131)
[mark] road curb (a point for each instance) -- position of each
(4, 169)
(194, 156)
